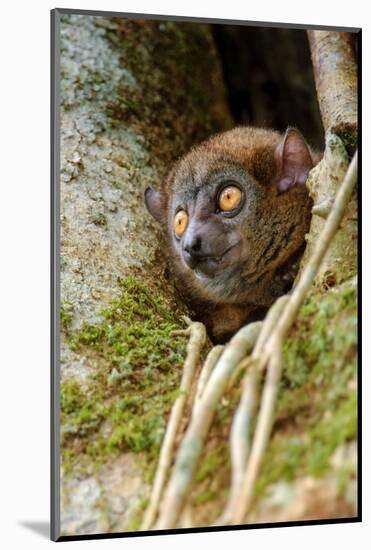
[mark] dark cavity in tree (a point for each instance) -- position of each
(269, 78)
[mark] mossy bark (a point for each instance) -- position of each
(310, 467)
(340, 261)
(335, 71)
(132, 100)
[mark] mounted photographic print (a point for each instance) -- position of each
(204, 276)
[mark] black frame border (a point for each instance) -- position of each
(55, 276)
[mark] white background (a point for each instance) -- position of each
(24, 272)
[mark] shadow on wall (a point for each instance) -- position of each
(42, 528)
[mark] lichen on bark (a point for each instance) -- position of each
(340, 262)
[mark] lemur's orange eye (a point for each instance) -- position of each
(180, 222)
(230, 198)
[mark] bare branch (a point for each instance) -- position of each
(197, 338)
(239, 438)
(262, 434)
(191, 446)
(208, 367)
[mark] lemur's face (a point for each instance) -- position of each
(210, 212)
(217, 216)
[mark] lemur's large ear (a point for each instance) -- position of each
(293, 160)
(154, 203)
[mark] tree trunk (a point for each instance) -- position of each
(335, 70)
(132, 99)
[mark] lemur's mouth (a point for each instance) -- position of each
(218, 259)
(209, 265)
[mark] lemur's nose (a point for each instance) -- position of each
(193, 245)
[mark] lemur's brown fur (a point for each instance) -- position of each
(251, 258)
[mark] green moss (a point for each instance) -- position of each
(212, 477)
(344, 475)
(79, 413)
(134, 380)
(204, 497)
(137, 512)
(216, 457)
(136, 376)
(66, 314)
(135, 332)
(98, 218)
(317, 409)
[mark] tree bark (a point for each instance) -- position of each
(132, 100)
(335, 72)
